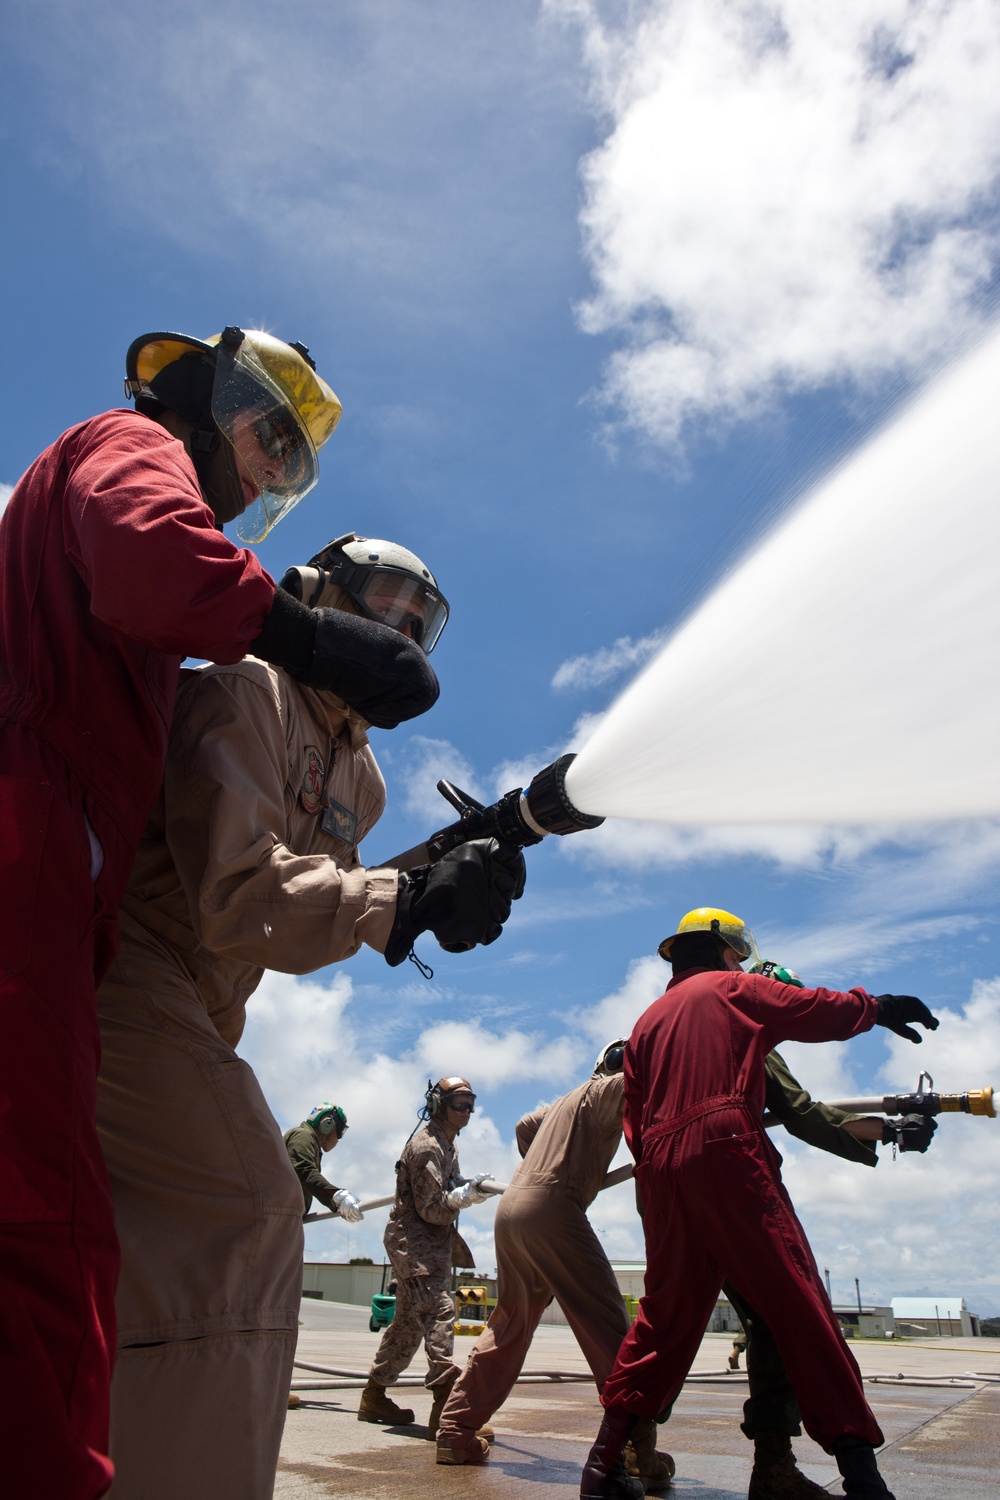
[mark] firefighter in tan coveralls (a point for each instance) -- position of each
(249, 861)
(546, 1246)
(423, 1244)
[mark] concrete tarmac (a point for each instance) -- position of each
(941, 1422)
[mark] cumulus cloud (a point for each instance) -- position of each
(922, 1224)
(616, 1014)
(6, 490)
(428, 761)
(788, 196)
(306, 1044)
(398, 143)
(507, 1057)
(607, 662)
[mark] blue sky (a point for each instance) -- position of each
(602, 289)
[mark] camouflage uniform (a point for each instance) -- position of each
(423, 1245)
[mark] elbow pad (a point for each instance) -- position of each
(377, 671)
(288, 638)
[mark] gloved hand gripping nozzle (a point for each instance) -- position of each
(461, 882)
(521, 817)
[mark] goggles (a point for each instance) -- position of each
(462, 1103)
(392, 596)
(269, 438)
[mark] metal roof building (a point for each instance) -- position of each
(939, 1317)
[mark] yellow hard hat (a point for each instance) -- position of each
(712, 919)
(266, 400)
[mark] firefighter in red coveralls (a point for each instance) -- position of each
(715, 1206)
(114, 568)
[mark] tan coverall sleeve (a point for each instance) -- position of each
(611, 1104)
(527, 1128)
(250, 896)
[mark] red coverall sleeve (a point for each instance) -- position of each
(145, 543)
(632, 1115)
(798, 1015)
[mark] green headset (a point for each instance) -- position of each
(326, 1118)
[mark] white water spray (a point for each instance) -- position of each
(849, 670)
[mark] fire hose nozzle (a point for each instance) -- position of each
(546, 805)
(518, 817)
(975, 1102)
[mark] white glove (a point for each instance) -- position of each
(347, 1206)
(466, 1194)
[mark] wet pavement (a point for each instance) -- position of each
(942, 1424)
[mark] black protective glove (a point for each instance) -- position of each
(895, 1010)
(378, 671)
(909, 1132)
(464, 899)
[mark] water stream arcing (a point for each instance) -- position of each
(848, 670)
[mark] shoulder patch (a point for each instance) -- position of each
(311, 790)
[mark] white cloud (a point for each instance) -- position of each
(617, 1013)
(505, 1057)
(395, 143)
(927, 1222)
(607, 662)
(922, 1223)
(626, 845)
(6, 490)
(965, 1048)
(306, 1043)
(427, 762)
(788, 196)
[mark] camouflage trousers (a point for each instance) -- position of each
(425, 1311)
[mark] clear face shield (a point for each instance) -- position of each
(276, 459)
(744, 943)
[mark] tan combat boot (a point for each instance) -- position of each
(775, 1473)
(473, 1450)
(642, 1461)
(441, 1391)
(377, 1407)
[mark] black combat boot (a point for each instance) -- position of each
(605, 1476)
(856, 1462)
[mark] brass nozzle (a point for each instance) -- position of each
(975, 1102)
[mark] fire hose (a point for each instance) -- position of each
(486, 1184)
(924, 1102)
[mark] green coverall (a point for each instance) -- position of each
(772, 1406)
(305, 1154)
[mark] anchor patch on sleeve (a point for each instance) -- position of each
(311, 790)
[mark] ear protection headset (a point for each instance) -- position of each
(436, 1098)
(327, 1118)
